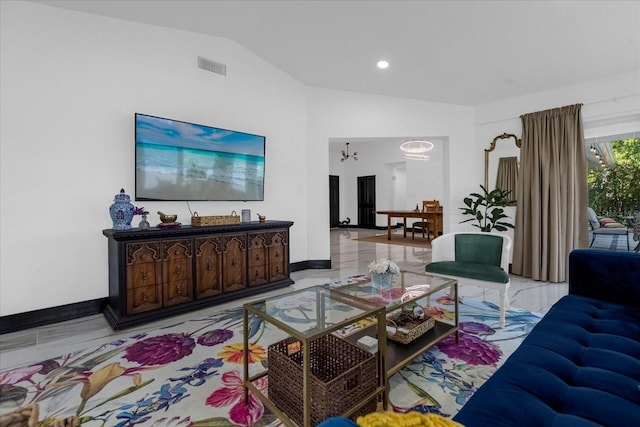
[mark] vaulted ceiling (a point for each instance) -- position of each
(459, 52)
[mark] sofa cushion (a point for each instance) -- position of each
(610, 223)
(593, 219)
(579, 366)
(471, 270)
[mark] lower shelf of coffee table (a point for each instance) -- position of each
(398, 355)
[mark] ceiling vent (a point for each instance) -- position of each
(212, 66)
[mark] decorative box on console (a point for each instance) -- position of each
(204, 221)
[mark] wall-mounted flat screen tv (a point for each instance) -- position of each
(183, 161)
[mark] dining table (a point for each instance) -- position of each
(433, 215)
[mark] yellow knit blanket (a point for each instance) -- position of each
(409, 419)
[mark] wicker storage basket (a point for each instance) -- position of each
(203, 221)
(341, 375)
(406, 326)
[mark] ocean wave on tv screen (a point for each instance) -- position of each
(168, 170)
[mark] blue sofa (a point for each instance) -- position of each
(580, 366)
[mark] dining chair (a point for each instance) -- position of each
(423, 224)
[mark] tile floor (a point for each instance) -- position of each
(348, 257)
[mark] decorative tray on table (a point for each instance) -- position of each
(405, 326)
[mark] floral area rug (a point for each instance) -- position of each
(190, 373)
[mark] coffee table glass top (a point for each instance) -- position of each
(313, 311)
(407, 286)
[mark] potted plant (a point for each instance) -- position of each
(487, 209)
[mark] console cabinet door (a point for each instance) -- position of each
(177, 271)
(278, 256)
(208, 267)
(257, 259)
(143, 277)
(234, 261)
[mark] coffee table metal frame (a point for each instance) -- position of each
(327, 321)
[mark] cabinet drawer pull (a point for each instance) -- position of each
(144, 296)
(178, 289)
(178, 269)
(233, 262)
(144, 274)
(209, 265)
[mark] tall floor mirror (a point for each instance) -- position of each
(503, 171)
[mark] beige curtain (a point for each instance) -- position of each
(552, 194)
(507, 176)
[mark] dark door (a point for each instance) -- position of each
(334, 200)
(367, 201)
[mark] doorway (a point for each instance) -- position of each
(334, 201)
(367, 201)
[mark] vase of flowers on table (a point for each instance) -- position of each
(382, 271)
(144, 224)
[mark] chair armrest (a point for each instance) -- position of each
(612, 276)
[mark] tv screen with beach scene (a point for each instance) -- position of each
(180, 161)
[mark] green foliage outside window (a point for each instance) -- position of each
(616, 193)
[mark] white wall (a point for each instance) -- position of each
(346, 115)
(70, 85)
(400, 183)
(604, 99)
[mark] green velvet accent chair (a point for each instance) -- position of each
(474, 258)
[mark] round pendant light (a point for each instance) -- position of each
(415, 149)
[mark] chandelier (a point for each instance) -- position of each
(415, 149)
(345, 154)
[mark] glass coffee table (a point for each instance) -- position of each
(412, 291)
(313, 318)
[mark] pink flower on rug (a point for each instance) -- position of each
(393, 293)
(214, 337)
(15, 376)
(233, 393)
(160, 350)
(435, 312)
(471, 350)
(378, 300)
(447, 300)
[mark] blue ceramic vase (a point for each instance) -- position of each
(121, 211)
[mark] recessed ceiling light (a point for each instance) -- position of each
(382, 64)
